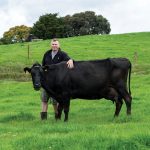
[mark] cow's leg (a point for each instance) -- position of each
(128, 100)
(119, 103)
(60, 108)
(126, 96)
(112, 94)
(66, 109)
(55, 106)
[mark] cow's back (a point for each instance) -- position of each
(122, 63)
(90, 71)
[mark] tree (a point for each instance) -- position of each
(48, 26)
(102, 25)
(68, 29)
(86, 23)
(16, 34)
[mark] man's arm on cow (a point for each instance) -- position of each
(70, 63)
(69, 60)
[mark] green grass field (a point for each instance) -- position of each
(91, 124)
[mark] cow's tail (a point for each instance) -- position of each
(130, 68)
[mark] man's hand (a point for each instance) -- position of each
(70, 63)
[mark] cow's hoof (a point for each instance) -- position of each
(57, 119)
(115, 116)
(129, 113)
(65, 120)
(56, 115)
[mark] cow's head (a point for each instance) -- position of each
(36, 72)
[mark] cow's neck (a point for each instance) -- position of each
(45, 86)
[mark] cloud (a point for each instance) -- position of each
(123, 15)
(129, 16)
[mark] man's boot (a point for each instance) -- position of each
(43, 115)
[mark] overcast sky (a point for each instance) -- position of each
(124, 15)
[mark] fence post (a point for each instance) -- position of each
(135, 57)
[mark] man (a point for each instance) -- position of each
(53, 56)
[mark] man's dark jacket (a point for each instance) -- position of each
(59, 57)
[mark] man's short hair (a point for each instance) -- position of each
(54, 40)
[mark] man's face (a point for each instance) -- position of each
(55, 45)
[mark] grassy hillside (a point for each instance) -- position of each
(134, 46)
(91, 124)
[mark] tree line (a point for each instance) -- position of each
(51, 25)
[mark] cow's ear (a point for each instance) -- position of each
(45, 68)
(27, 69)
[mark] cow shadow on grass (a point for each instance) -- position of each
(17, 117)
(102, 117)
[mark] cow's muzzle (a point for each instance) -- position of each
(37, 87)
